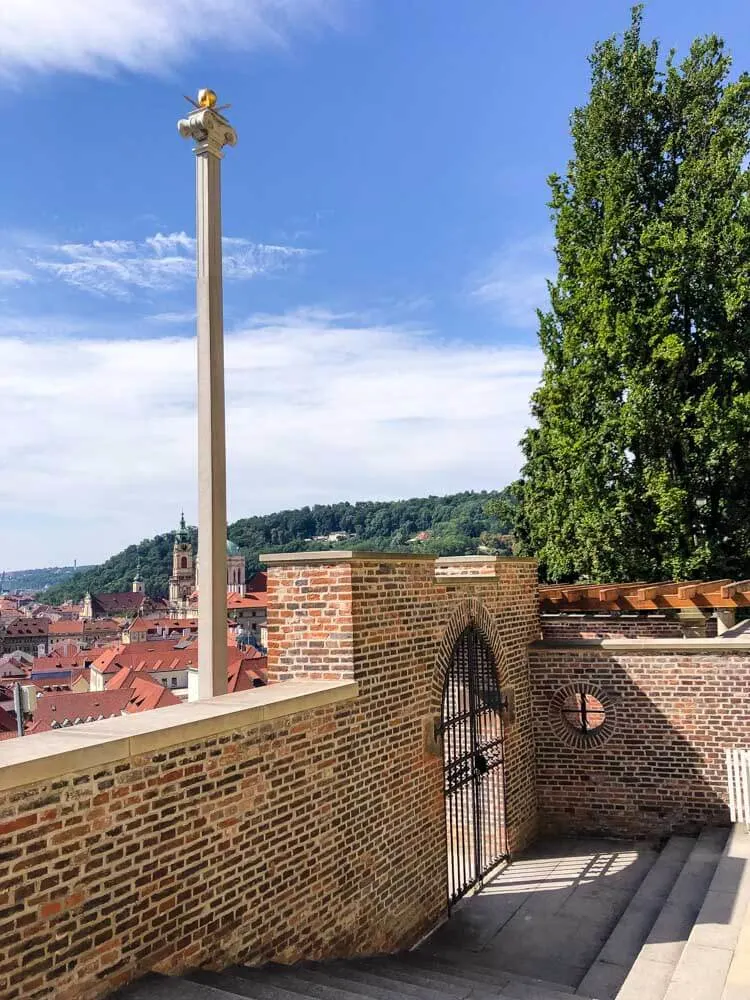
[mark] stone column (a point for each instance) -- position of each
(211, 132)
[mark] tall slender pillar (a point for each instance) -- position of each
(211, 132)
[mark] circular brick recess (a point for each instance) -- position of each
(566, 715)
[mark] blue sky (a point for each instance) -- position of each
(388, 241)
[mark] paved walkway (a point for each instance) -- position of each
(548, 914)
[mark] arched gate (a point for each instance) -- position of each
(472, 734)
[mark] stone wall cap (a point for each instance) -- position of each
(340, 555)
(349, 555)
(441, 560)
(717, 645)
(43, 756)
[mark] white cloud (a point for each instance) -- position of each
(173, 318)
(13, 276)
(158, 263)
(101, 36)
(515, 283)
(101, 434)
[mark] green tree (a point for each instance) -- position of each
(459, 520)
(639, 465)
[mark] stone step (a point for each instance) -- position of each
(428, 975)
(157, 987)
(652, 970)
(338, 976)
(714, 942)
(611, 966)
(393, 978)
(509, 984)
(261, 985)
(737, 986)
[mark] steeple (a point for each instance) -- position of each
(182, 534)
(182, 580)
(137, 579)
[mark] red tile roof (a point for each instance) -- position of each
(7, 722)
(148, 656)
(254, 600)
(112, 604)
(71, 708)
(100, 626)
(27, 626)
(66, 628)
(245, 672)
(258, 582)
(145, 693)
(55, 662)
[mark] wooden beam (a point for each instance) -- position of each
(690, 590)
(737, 587)
(613, 591)
(656, 590)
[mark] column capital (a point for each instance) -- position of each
(209, 129)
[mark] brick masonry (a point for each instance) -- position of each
(660, 769)
(569, 627)
(391, 624)
(319, 834)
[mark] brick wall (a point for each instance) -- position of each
(660, 767)
(309, 836)
(391, 624)
(571, 627)
(314, 834)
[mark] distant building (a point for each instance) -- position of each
(145, 692)
(184, 581)
(154, 629)
(59, 710)
(84, 633)
(164, 661)
(29, 635)
(126, 604)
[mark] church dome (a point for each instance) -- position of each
(232, 548)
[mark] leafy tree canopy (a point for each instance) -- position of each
(639, 465)
(456, 525)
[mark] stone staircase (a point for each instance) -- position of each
(685, 935)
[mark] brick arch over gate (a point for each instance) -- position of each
(468, 612)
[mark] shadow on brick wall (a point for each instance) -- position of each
(656, 765)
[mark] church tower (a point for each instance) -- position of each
(182, 580)
(138, 587)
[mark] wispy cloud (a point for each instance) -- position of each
(173, 318)
(13, 276)
(158, 263)
(319, 408)
(97, 38)
(515, 283)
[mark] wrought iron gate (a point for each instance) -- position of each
(472, 731)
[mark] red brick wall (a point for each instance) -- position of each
(391, 624)
(572, 627)
(661, 769)
(310, 622)
(316, 835)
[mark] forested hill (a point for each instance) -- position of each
(35, 579)
(456, 525)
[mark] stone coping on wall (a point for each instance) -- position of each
(338, 555)
(480, 559)
(675, 645)
(42, 756)
(347, 555)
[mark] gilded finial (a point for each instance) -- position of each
(207, 98)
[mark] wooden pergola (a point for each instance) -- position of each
(613, 597)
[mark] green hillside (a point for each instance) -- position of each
(36, 579)
(457, 525)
